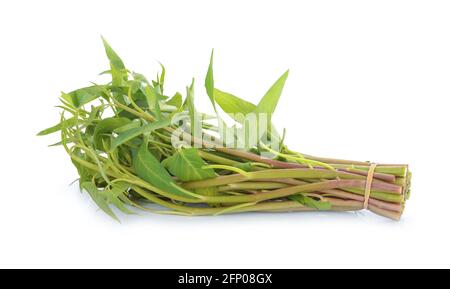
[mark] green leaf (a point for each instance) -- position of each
(116, 195)
(134, 132)
(139, 77)
(149, 169)
(162, 78)
(187, 165)
(84, 173)
(98, 198)
(209, 85)
(94, 114)
(311, 203)
(153, 97)
(270, 100)
(133, 124)
(114, 59)
(233, 105)
(118, 71)
(176, 100)
(107, 126)
(268, 105)
(193, 114)
(81, 96)
(66, 123)
(209, 81)
(238, 109)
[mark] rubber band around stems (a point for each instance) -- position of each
(368, 188)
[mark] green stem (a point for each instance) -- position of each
(357, 181)
(216, 159)
(252, 186)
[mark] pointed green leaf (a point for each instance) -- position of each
(151, 170)
(133, 124)
(84, 173)
(135, 132)
(107, 126)
(114, 59)
(209, 85)
(81, 96)
(176, 100)
(161, 79)
(66, 123)
(193, 114)
(238, 108)
(98, 198)
(209, 81)
(270, 100)
(116, 196)
(187, 165)
(153, 97)
(233, 105)
(118, 71)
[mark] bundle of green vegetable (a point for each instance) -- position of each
(135, 147)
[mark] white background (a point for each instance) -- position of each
(369, 80)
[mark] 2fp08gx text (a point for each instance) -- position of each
(237, 278)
